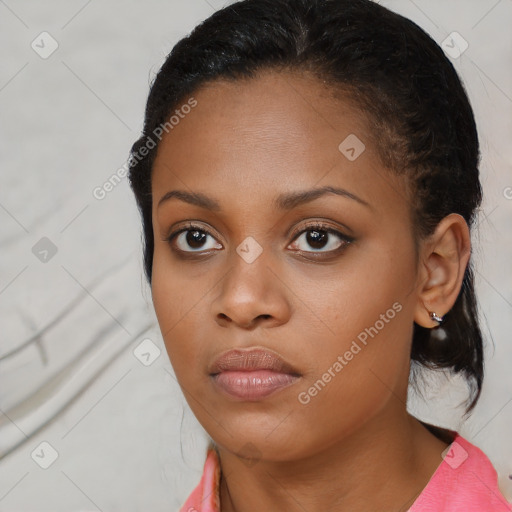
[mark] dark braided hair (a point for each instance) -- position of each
(422, 123)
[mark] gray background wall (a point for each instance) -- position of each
(86, 388)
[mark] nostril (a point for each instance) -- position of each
(223, 316)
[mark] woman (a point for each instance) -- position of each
(306, 213)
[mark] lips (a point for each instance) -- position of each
(251, 375)
(250, 360)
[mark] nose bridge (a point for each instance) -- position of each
(250, 288)
(249, 270)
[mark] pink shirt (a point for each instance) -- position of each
(465, 481)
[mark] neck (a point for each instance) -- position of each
(382, 466)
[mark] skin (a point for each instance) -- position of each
(354, 446)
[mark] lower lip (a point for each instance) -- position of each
(252, 385)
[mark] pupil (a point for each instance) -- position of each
(316, 238)
(195, 237)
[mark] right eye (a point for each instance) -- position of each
(192, 239)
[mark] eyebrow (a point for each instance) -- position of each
(286, 201)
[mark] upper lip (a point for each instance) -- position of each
(250, 360)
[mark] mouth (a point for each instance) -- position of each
(252, 374)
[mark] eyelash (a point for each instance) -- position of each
(313, 226)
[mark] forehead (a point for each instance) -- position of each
(278, 130)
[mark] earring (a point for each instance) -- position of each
(435, 317)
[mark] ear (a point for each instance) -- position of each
(443, 261)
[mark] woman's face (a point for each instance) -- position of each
(256, 270)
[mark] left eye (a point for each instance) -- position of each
(321, 239)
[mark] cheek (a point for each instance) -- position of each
(345, 299)
(366, 319)
(175, 306)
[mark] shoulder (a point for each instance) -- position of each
(205, 496)
(465, 481)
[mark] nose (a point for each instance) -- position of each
(250, 295)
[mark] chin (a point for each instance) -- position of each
(256, 442)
